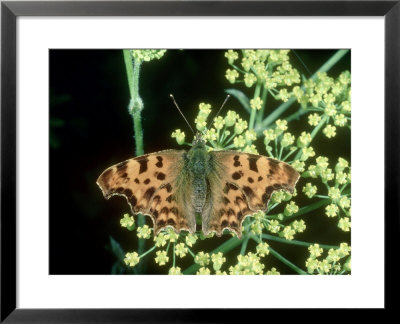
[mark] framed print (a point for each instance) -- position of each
(149, 147)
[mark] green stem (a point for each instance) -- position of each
(135, 109)
(254, 111)
(283, 107)
(295, 242)
(287, 262)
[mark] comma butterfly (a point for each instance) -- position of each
(175, 186)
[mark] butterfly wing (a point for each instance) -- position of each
(241, 184)
(150, 184)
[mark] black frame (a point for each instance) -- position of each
(10, 10)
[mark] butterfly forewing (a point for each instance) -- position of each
(241, 184)
(149, 183)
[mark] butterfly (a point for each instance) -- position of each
(174, 187)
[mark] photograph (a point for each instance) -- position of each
(200, 161)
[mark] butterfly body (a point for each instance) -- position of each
(222, 187)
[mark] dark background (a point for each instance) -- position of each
(90, 130)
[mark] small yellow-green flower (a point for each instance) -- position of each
(231, 75)
(307, 152)
(288, 233)
(273, 226)
(127, 221)
(256, 103)
(315, 250)
(344, 202)
(231, 118)
(240, 126)
(257, 228)
(160, 240)
(324, 266)
(341, 165)
(340, 120)
(312, 265)
(131, 259)
(249, 79)
(262, 249)
(203, 271)
(144, 232)
(202, 258)
(309, 190)
(161, 258)
(231, 56)
(341, 177)
(298, 165)
(344, 224)
(218, 260)
(269, 135)
(191, 239)
(291, 209)
(174, 271)
(299, 226)
(273, 271)
(314, 119)
(171, 235)
(333, 255)
(331, 210)
(284, 95)
(219, 122)
(329, 131)
(344, 250)
(281, 126)
(334, 193)
(304, 139)
(287, 139)
(179, 136)
(239, 141)
(250, 135)
(181, 250)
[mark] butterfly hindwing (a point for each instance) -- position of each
(149, 183)
(241, 184)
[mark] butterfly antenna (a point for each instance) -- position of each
(176, 105)
(222, 106)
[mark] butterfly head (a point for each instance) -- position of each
(198, 139)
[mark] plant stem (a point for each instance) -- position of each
(135, 109)
(287, 262)
(295, 242)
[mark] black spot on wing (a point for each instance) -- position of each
(168, 187)
(170, 221)
(164, 210)
(121, 167)
(229, 186)
(133, 201)
(159, 164)
(237, 175)
(147, 181)
(250, 179)
(143, 161)
(248, 191)
(149, 193)
(260, 178)
(137, 181)
(226, 201)
(236, 162)
(224, 223)
(253, 162)
(160, 176)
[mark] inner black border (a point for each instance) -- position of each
(10, 10)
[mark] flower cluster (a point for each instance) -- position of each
(337, 261)
(269, 68)
(147, 55)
